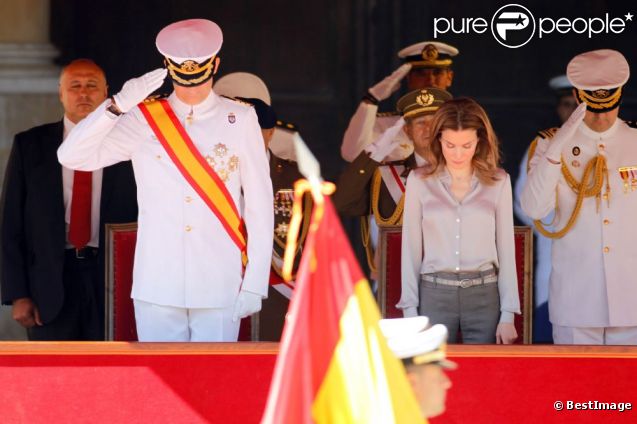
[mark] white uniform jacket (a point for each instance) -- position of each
(184, 257)
(594, 277)
(365, 127)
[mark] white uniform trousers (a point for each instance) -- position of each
(595, 335)
(159, 323)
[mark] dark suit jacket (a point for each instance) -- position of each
(354, 188)
(32, 228)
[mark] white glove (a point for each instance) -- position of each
(137, 89)
(247, 304)
(386, 87)
(386, 143)
(410, 312)
(566, 131)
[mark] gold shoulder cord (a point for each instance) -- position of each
(396, 218)
(596, 171)
(367, 243)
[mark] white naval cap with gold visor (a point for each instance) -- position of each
(599, 77)
(190, 49)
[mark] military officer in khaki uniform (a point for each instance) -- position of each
(426, 64)
(202, 258)
(587, 173)
(370, 185)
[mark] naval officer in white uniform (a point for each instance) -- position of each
(593, 284)
(188, 279)
(426, 64)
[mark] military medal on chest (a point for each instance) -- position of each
(283, 200)
(628, 175)
(222, 165)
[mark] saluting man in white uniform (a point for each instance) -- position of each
(587, 173)
(202, 261)
(426, 64)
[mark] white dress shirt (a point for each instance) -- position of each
(184, 256)
(96, 195)
(442, 234)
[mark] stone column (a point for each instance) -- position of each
(28, 89)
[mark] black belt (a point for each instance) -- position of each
(87, 252)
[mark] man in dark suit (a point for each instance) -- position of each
(52, 222)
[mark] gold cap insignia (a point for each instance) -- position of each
(430, 53)
(424, 98)
(189, 66)
(600, 94)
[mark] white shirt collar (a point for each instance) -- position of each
(420, 161)
(596, 135)
(182, 108)
(68, 126)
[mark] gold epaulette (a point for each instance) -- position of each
(632, 124)
(548, 133)
(386, 114)
(155, 97)
(286, 125)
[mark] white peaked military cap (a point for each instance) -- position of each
(598, 70)
(560, 83)
(429, 54)
(192, 39)
(243, 84)
(599, 77)
(414, 343)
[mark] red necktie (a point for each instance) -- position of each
(80, 226)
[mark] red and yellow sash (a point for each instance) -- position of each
(195, 169)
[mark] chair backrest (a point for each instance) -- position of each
(389, 278)
(120, 253)
(120, 313)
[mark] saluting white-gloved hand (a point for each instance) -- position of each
(386, 143)
(137, 89)
(566, 131)
(247, 304)
(386, 87)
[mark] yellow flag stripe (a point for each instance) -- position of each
(365, 382)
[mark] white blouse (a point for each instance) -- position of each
(442, 234)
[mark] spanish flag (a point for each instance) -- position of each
(334, 365)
